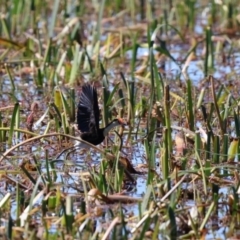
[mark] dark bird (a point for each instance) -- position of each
(88, 117)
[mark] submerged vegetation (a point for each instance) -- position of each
(171, 69)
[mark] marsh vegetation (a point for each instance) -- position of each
(170, 69)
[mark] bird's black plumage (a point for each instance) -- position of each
(88, 110)
(88, 117)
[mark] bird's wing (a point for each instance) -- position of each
(88, 110)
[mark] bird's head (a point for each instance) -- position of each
(119, 121)
(116, 122)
